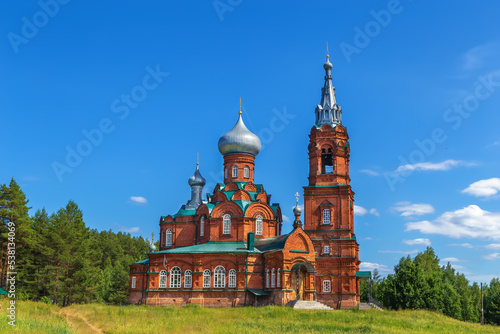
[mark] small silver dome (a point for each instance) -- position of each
(327, 65)
(197, 179)
(297, 210)
(239, 140)
(152, 247)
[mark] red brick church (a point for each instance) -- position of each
(228, 250)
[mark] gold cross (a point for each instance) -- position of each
(240, 106)
(152, 237)
(327, 55)
(197, 158)
(297, 197)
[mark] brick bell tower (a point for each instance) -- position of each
(328, 204)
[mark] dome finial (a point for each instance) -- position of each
(239, 113)
(327, 54)
(197, 159)
(152, 246)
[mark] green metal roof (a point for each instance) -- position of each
(229, 194)
(259, 292)
(367, 274)
(183, 212)
(211, 247)
(142, 262)
(272, 244)
(3, 292)
(243, 204)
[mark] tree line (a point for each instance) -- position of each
(59, 259)
(421, 283)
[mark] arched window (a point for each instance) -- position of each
(175, 277)
(188, 279)
(168, 238)
(226, 226)
(258, 225)
(326, 217)
(246, 172)
(235, 171)
(267, 278)
(327, 286)
(232, 278)
(163, 279)
(206, 278)
(133, 282)
(225, 173)
(219, 277)
(273, 278)
(278, 279)
(326, 161)
(202, 226)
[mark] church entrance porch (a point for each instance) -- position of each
(302, 281)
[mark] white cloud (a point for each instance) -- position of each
(455, 266)
(285, 218)
(367, 238)
(492, 246)
(398, 252)
(370, 172)
(483, 188)
(495, 143)
(138, 199)
(129, 229)
(450, 259)
(372, 266)
(469, 222)
(432, 166)
(408, 209)
(477, 56)
(465, 244)
(360, 211)
(418, 241)
(492, 256)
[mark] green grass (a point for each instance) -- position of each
(40, 318)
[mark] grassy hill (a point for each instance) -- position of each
(95, 318)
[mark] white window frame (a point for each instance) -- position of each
(163, 280)
(273, 278)
(188, 279)
(168, 238)
(175, 277)
(226, 224)
(206, 278)
(219, 277)
(278, 278)
(232, 279)
(326, 249)
(246, 172)
(134, 280)
(202, 226)
(235, 171)
(327, 286)
(258, 225)
(326, 216)
(267, 278)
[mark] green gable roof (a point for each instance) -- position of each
(141, 262)
(183, 212)
(272, 244)
(211, 247)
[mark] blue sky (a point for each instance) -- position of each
(152, 83)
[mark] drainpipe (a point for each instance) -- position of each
(147, 284)
(250, 247)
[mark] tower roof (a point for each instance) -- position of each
(197, 179)
(239, 140)
(328, 111)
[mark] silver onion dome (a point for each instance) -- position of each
(327, 65)
(152, 247)
(297, 210)
(197, 179)
(239, 140)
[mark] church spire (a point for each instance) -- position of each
(328, 111)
